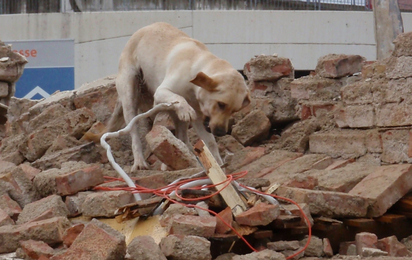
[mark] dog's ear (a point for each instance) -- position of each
(204, 81)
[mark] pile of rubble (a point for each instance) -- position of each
(337, 142)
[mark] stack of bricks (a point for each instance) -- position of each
(374, 117)
(11, 68)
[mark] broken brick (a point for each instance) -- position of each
(202, 226)
(268, 68)
(259, 215)
(170, 150)
(185, 247)
(34, 249)
(96, 241)
(35, 209)
(384, 187)
(339, 65)
(252, 128)
(144, 248)
(365, 239)
(105, 204)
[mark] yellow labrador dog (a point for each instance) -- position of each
(177, 68)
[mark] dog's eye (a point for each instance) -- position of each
(221, 105)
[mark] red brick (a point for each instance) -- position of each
(73, 203)
(34, 249)
(315, 109)
(79, 180)
(74, 123)
(315, 88)
(244, 157)
(359, 93)
(38, 208)
(185, 247)
(303, 182)
(327, 248)
(261, 214)
(365, 239)
(144, 248)
(339, 164)
(104, 204)
(292, 208)
(227, 217)
(4, 89)
(254, 127)
(268, 163)
(5, 218)
(333, 204)
(356, 116)
(203, 226)
(30, 171)
(339, 143)
(385, 186)
(395, 145)
(71, 234)
(268, 68)
(393, 247)
(399, 67)
(100, 99)
(283, 245)
(10, 206)
(373, 69)
(47, 115)
(403, 45)
(6, 166)
(96, 241)
(170, 150)
(339, 65)
(394, 114)
(49, 231)
(347, 248)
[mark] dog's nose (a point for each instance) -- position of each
(219, 131)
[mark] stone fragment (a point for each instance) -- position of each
(315, 247)
(283, 245)
(185, 247)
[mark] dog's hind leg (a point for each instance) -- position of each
(127, 85)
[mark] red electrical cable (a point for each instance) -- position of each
(165, 191)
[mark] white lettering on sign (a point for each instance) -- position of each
(35, 91)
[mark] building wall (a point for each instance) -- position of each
(302, 36)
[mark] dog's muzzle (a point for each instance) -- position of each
(218, 131)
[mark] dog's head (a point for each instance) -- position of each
(219, 97)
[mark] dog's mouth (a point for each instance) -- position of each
(206, 122)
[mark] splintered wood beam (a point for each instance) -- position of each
(216, 175)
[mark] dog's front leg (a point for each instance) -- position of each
(183, 110)
(208, 139)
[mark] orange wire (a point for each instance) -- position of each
(165, 191)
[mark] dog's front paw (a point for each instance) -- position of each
(139, 165)
(185, 112)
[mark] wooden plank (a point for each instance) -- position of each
(216, 174)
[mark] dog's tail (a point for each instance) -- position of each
(116, 122)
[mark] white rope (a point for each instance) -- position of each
(156, 109)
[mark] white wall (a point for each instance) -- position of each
(302, 36)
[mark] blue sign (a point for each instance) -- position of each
(50, 67)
